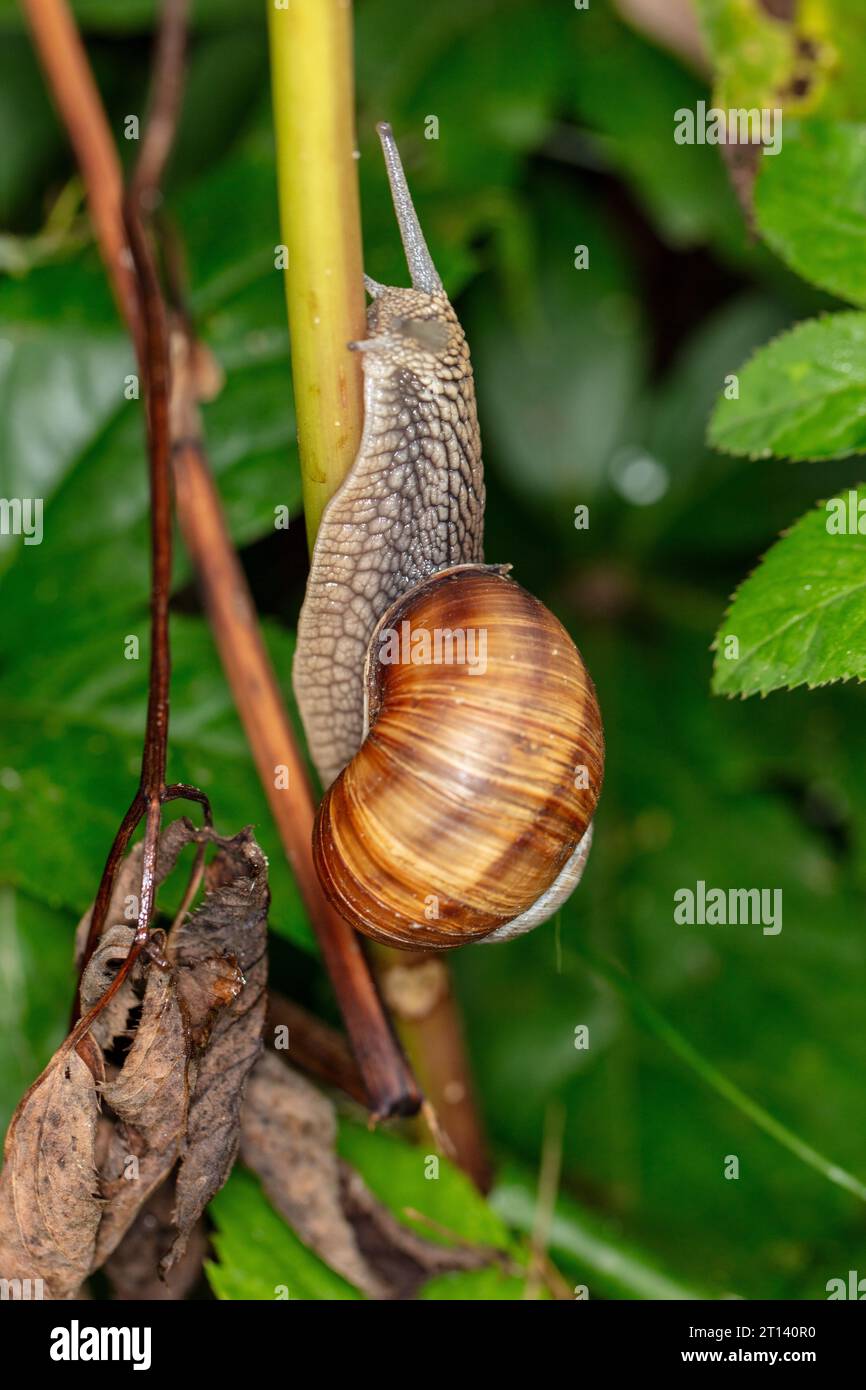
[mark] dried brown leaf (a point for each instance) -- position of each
(49, 1204)
(288, 1137)
(132, 1269)
(399, 1256)
(220, 958)
(743, 162)
(113, 1021)
(150, 1098)
(127, 882)
(66, 1204)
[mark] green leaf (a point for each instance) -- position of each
(36, 988)
(69, 433)
(258, 1256)
(844, 41)
(762, 59)
(232, 63)
(801, 396)
(71, 729)
(807, 58)
(397, 1173)
(493, 75)
(675, 439)
(811, 204)
(800, 619)
(61, 376)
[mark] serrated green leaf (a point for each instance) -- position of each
(810, 204)
(259, 1257)
(800, 619)
(801, 396)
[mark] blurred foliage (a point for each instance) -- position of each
(595, 385)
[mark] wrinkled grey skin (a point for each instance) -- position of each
(412, 503)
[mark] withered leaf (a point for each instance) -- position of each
(133, 1268)
(150, 1098)
(288, 1137)
(49, 1204)
(223, 947)
(198, 1034)
(743, 161)
(399, 1256)
(127, 883)
(110, 953)
(113, 1021)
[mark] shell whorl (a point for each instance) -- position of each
(467, 802)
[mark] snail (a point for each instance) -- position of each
(448, 712)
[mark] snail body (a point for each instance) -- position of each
(448, 712)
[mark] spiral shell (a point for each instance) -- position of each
(478, 777)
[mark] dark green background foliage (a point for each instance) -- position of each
(595, 387)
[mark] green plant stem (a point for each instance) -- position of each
(313, 87)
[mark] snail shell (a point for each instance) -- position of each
(472, 794)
